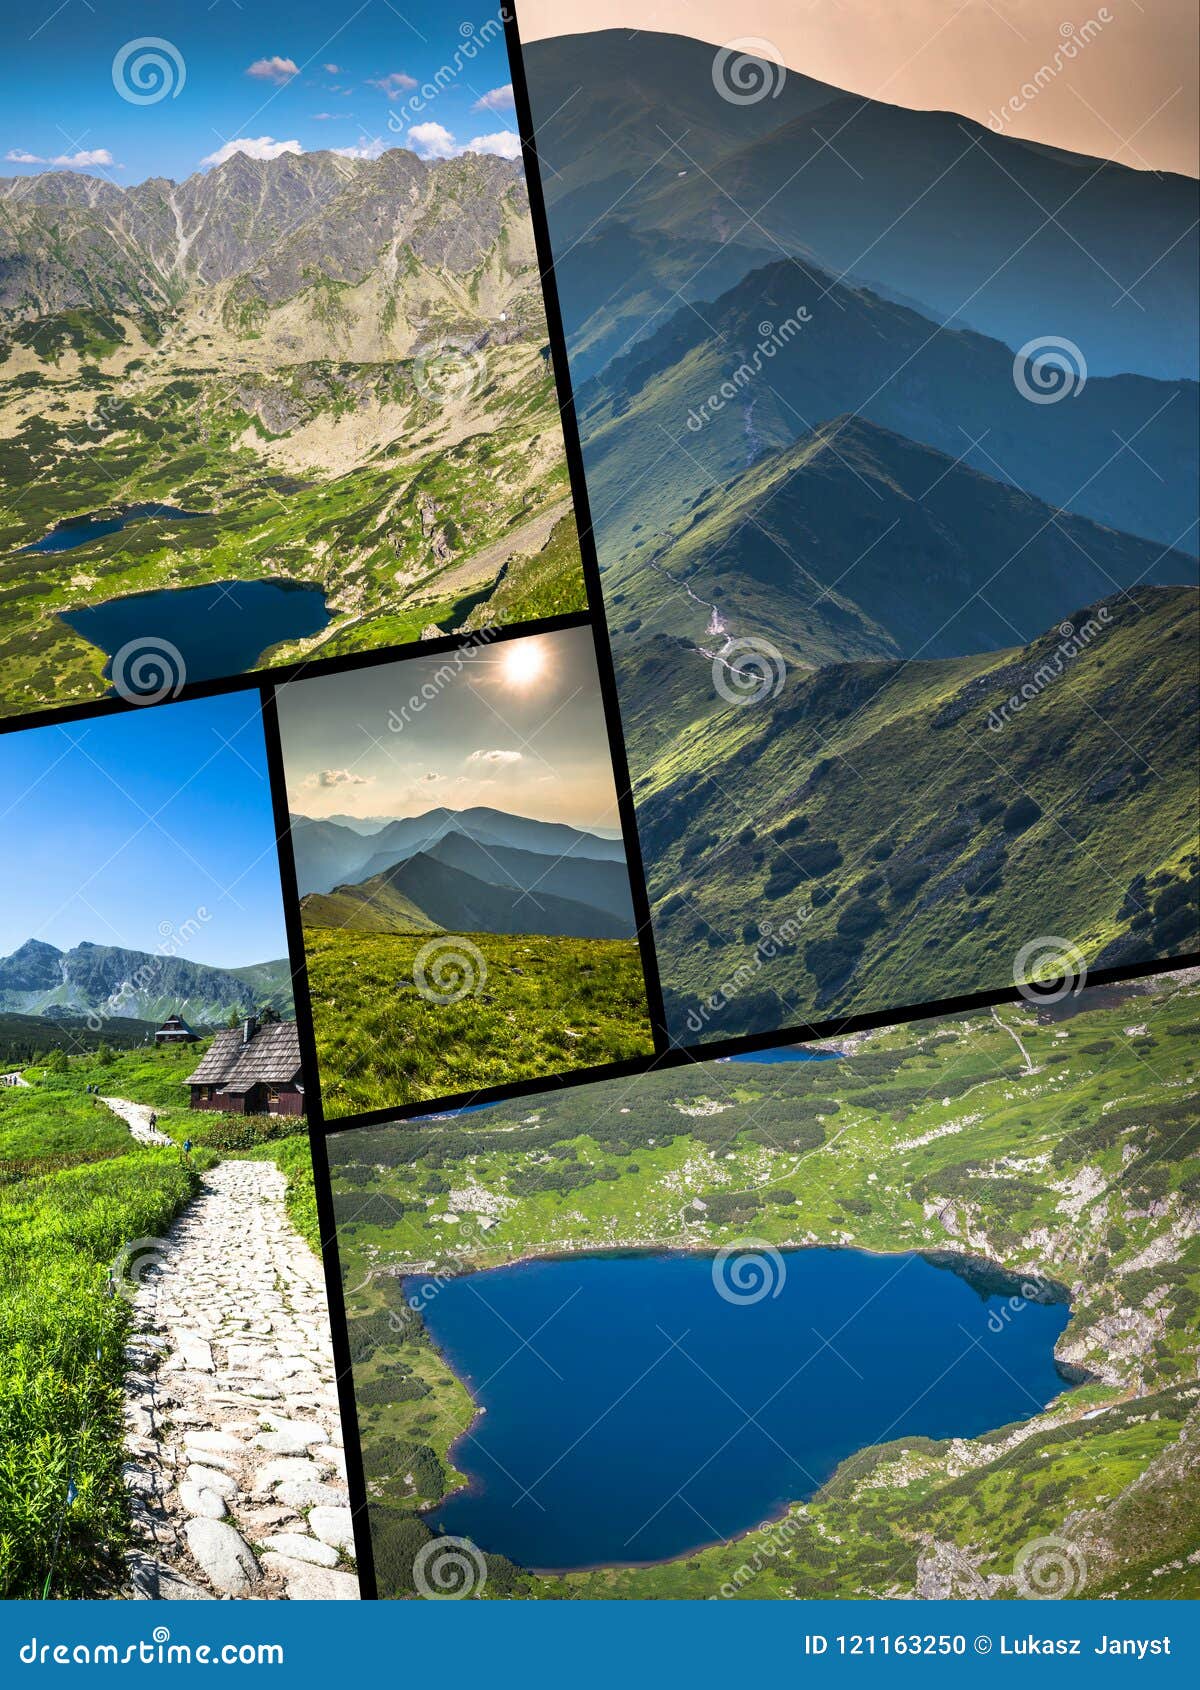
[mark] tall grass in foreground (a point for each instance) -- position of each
(75, 1190)
(62, 1342)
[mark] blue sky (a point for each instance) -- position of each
(152, 829)
(258, 75)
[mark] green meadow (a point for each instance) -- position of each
(538, 1006)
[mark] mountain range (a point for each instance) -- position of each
(658, 186)
(859, 353)
(476, 870)
(821, 457)
(337, 367)
(39, 979)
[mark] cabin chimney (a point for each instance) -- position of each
(249, 1028)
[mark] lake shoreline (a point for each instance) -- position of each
(988, 1278)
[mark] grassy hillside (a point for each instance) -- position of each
(1062, 1145)
(75, 1189)
(905, 837)
(533, 1006)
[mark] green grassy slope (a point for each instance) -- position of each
(1078, 1164)
(75, 1189)
(385, 911)
(538, 1006)
(909, 845)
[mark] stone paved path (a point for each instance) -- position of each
(137, 1118)
(234, 1444)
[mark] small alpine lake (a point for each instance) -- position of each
(219, 629)
(78, 530)
(636, 1406)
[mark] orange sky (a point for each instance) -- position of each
(1129, 93)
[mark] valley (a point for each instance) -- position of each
(349, 390)
(1039, 1153)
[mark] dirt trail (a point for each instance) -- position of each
(234, 1444)
(137, 1118)
(1013, 1034)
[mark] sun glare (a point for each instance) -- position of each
(523, 662)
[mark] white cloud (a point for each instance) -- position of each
(364, 149)
(337, 777)
(394, 84)
(263, 147)
(330, 116)
(496, 99)
(432, 140)
(334, 70)
(431, 776)
(504, 144)
(495, 757)
(80, 161)
(274, 70)
(65, 161)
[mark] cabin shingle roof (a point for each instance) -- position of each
(272, 1057)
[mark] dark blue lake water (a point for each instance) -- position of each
(633, 1413)
(219, 629)
(71, 534)
(783, 1053)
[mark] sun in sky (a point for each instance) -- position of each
(523, 663)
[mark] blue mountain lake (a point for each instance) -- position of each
(631, 1413)
(219, 629)
(783, 1053)
(67, 535)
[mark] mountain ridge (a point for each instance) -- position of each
(140, 985)
(855, 351)
(803, 547)
(894, 201)
(327, 855)
(458, 902)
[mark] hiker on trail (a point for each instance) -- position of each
(153, 1120)
(187, 1147)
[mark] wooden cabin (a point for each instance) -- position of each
(251, 1070)
(175, 1031)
